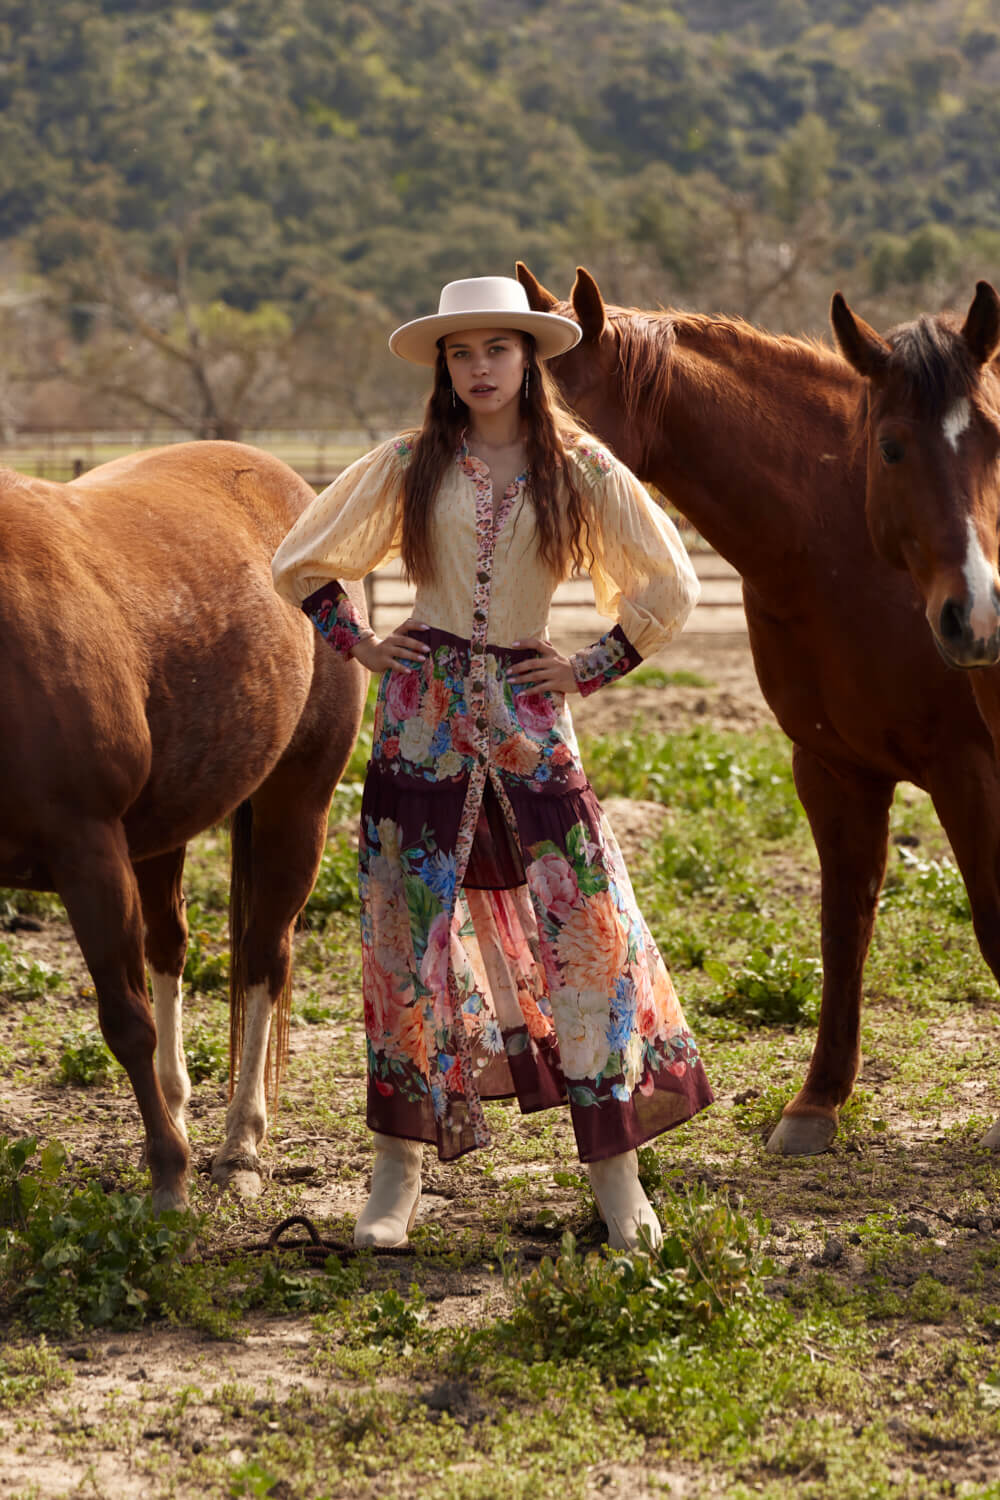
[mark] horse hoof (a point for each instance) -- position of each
(239, 1175)
(991, 1140)
(245, 1184)
(165, 1199)
(802, 1135)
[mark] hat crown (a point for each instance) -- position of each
(483, 294)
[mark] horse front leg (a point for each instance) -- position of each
(966, 797)
(848, 812)
(95, 879)
(161, 892)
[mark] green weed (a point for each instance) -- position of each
(611, 1309)
(26, 979)
(206, 1054)
(29, 1370)
(774, 987)
(206, 972)
(311, 1010)
(656, 677)
(77, 1258)
(84, 1059)
(926, 885)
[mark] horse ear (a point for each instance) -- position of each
(860, 345)
(539, 300)
(588, 304)
(981, 329)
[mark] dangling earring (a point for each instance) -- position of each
(453, 401)
(527, 373)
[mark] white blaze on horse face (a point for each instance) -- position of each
(246, 1117)
(171, 1069)
(980, 581)
(956, 420)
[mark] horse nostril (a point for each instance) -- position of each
(952, 622)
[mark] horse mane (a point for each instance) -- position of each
(646, 341)
(935, 363)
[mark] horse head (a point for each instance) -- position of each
(933, 476)
(588, 375)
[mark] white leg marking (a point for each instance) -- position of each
(171, 1069)
(956, 420)
(246, 1118)
(981, 581)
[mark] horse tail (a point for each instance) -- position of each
(240, 899)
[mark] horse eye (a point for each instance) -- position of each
(891, 451)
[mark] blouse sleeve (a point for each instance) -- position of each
(351, 528)
(643, 578)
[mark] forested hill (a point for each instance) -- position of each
(735, 153)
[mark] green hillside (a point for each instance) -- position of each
(274, 159)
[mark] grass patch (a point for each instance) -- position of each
(798, 1336)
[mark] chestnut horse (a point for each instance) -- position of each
(152, 682)
(751, 436)
(931, 428)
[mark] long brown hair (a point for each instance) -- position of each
(560, 516)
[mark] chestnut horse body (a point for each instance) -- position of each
(152, 683)
(751, 437)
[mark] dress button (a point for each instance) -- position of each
(482, 577)
(478, 648)
(480, 615)
(482, 723)
(482, 759)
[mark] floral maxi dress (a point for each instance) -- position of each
(503, 951)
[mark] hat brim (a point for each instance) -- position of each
(417, 341)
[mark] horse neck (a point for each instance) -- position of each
(754, 442)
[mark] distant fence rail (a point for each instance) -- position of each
(319, 457)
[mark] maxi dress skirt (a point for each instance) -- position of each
(503, 951)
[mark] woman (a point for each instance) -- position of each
(503, 952)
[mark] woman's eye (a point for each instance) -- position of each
(891, 451)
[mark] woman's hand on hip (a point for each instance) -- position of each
(398, 652)
(548, 672)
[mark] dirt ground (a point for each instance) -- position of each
(321, 1172)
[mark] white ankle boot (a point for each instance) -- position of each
(387, 1217)
(622, 1203)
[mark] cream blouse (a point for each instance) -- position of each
(642, 576)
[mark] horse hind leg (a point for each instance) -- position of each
(849, 816)
(276, 855)
(162, 896)
(96, 881)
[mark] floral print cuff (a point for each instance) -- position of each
(335, 618)
(608, 659)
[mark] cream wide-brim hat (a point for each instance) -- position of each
(483, 302)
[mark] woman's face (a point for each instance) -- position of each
(486, 366)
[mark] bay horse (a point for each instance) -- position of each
(751, 436)
(153, 683)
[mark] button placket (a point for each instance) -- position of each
(485, 541)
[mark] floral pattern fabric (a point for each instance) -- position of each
(605, 661)
(554, 990)
(336, 618)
